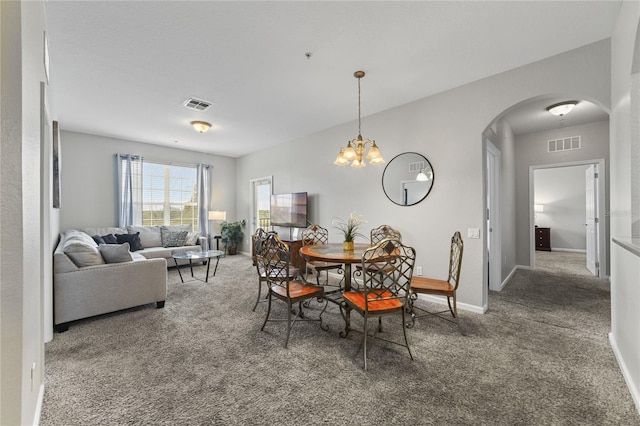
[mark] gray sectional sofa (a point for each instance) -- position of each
(92, 279)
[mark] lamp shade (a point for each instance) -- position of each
(217, 215)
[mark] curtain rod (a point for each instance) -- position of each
(169, 163)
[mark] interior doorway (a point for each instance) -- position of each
(567, 203)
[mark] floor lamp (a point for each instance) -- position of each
(217, 216)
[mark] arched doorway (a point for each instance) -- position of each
(508, 202)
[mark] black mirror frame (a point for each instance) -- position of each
(430, 188)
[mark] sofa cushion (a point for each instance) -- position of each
(150, 236)
(81, 249)
(115, 253)
(132, 239)
(155, 253)
(105, 231)
(167, 229)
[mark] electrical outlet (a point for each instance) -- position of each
(419, 271)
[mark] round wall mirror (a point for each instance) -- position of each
(407, 179)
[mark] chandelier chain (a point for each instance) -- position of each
(359, 124)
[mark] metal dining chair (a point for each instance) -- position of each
(439, 287)
(275, 259)
(315, 235)
(387, 270)
(258, 239)
(378, 234)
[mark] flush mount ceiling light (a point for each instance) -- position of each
(355, 148)
(200, 126)
(562, 108)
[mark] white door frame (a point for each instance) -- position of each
(253, 225)
(493, 224)
(601, 229)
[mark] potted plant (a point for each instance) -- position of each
(232, 234)
(349, 229)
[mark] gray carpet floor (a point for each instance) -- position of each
(539, 356)
(563, 262)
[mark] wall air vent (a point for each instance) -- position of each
(417, 166)
(197, 104)
(565, 144)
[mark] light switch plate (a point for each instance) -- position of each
(473, 233)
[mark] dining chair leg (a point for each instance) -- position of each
(268, 312)
(286, 340)
(259, 294)
(364, 351)
(404, 330)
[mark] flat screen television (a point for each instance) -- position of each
(289, 210)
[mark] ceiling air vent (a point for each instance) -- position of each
(565, 144)
(197, 104)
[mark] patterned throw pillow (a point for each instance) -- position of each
(175, 239)
(192, 239)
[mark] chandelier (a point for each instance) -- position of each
(354, 151)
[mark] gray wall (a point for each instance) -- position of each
(89, 196)
(562, 192)
(447, 128)
(505, 142)
(531, 150)
(23, 275)
(625, 133)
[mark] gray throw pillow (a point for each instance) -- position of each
(175, 239)
(115, 253)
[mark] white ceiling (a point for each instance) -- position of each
(123, 68)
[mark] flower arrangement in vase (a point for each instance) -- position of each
(349, 229)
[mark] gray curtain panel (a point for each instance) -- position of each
(129, 176)
(204, 189)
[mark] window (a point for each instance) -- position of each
(169, 195)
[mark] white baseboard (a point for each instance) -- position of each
(568, 250)
(36, 417)
(633, 389)
(441, 300)
(513, 271)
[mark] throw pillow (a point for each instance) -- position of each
(81, 249)
(98, 239)
(132, 239)
(192, 239)
(110, 239)
(175, 239)
(115, 253)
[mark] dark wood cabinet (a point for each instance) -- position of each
(543, 238)
(294, 249)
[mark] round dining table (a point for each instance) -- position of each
(334, 252)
